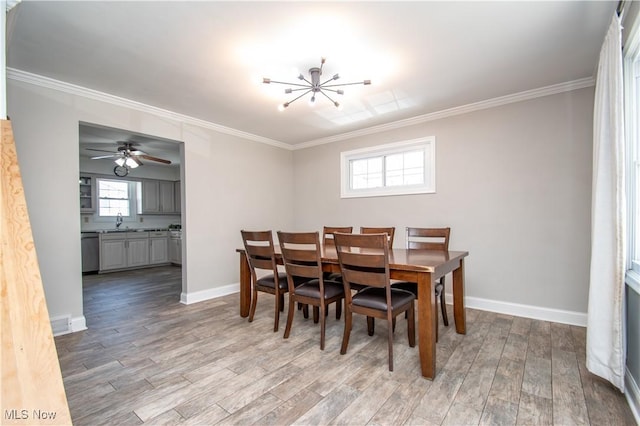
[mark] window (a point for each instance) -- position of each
(393, 169)
(114, 197)
(632, 135)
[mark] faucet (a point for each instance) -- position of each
(118, 220)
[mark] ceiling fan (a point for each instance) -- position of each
(127, 157)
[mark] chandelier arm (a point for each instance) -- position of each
(291, 84)
(302, 88)
(343, 84)
(330, 90)
(292, 101)
(327, 96)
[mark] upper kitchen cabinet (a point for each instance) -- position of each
(87, 194)
(158, 197)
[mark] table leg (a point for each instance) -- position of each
(245, 286)
(427, 325)
(458, 299)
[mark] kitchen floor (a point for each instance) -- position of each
(148, 359)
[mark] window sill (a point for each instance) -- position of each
(632, 279)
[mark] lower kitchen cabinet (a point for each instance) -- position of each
(158, 247)
(121, 250)
(175, 250)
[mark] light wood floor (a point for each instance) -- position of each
(146, 358)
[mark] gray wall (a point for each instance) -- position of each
(513, 183)
(229, 183)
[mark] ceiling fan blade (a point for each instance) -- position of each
(100, 150)
(150, 158)
(105, 156)
(135, 158)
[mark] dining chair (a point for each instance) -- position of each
(327, 233)
(371, 230)
(260, 253)
(302, 259)
(365, 259)
(428, 239)
(327, 239)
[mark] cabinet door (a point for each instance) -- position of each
(166, 193)
(178, 196)
(113, 254)
(87, 194)
(150, 198)
(158, 250)
(138, 252)
(175, 251)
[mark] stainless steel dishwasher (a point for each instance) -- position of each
(90, 252)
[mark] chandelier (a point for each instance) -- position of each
(314, 86)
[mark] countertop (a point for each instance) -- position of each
(107, 231)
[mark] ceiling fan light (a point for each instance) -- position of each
(119, 161)
(131, 163)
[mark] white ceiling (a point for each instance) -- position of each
(206, 59)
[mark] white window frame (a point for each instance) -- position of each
(134, 201)
(427, 144)
(632, 135)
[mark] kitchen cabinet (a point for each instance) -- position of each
(158, 247)
(175, 248)
(121, 250)
(158, 197)
(177, 196)
(87, 193)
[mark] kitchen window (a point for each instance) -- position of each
(116, 197)
(394, 169)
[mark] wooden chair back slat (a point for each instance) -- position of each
(390, 231)
(328, 231)
(428, 238)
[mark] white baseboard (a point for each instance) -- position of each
(632, 393)
(212, 293)
(72, 324)
(526, 311)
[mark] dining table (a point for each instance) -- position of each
(423, 267)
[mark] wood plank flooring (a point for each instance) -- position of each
(148, 359)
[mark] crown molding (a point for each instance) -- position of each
(50, 83)
(464, 109)
(73, 89)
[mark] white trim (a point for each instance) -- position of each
(526, 311)
(75, 324)
(464, 109)
(211, 293)
(632, 279)
(49, 83)
(632, 393)
(37, 80)
(426, 144)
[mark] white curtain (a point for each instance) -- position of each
(605, 323)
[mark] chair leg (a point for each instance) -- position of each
(347, 331)
(371, 325)
(323, 321)
(316, 314)
(281, 302)
(390, 337)
(254, 302)
(443, 308)
(339, 309)
(277, 313)
(411, 325)
(305, 311)
(287, 329)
